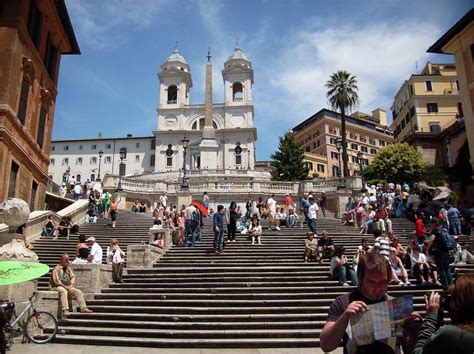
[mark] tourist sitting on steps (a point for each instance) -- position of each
(325, 247)
(49, 226)
(340, 268)
(63, 229)
(399, 273)
(256, 231)
(95, 256)
(292, 219)
(310, 246)
(82, 250)
(62, 281)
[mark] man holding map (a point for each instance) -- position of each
(374, 273)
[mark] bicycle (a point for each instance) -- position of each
(40, 327)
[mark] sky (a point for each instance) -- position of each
(294, 46)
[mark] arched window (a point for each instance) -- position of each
(199, 124)
(237, 91)
(92, 177)
(78, 178)
(172, 94)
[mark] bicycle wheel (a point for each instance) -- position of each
(41, 327)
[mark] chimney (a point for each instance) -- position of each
(380, 115)
(129, 135)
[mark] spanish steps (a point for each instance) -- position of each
(252, 296)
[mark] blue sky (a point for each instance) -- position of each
(294, 46)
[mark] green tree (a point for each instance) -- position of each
(342, 96)
(396, 163)
(288, 160)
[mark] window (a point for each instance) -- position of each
(238, 159)
(41, 126)
(34, 190)
(355, 159)
(373, 151)
(410, 90)
(363, 139)
(428, 85)
(332, 141)
(137, 158)
(92, 177)
(93, 160)
(172, 94)
(354, 146)
(78, 178)
(309, 165)
(460, 111)
(66, 147)
(371, 141)
(153, 145)
(108, 146)
(152, 160)
(334, 155)
(199, 125)
(435, 127)
(457, 85)
(35, 22)
(93, 147)
(316, 134)
(50, 57)
(79, 161)
(53, 148)
(13, 179)
(381, 142)
(108, 159)
(80, 147)
(169, 162)
(412, 111)
(363, 148)
(51, 162)
(403, 125)
(237, 91)
(320, 167)
(335, 171)
(307, 148)
(137, 145)
(332, 130)
(65, 161)
(432, 107)
(407, 119)
(25, 91)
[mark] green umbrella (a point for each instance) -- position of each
(13, 272)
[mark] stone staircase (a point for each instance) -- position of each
(248, 297)
(131, 228)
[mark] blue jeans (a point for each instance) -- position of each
(340, 274)
(442, 263)
(190, 228)
(219, 240)
(312, 226)
(456, 226)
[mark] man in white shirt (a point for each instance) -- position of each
(190, 226)
(313, 215)
(364, 202)
(163, 200)
(77, 191)
(272, 216)
(95, 255)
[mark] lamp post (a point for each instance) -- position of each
(123, 156)
(342, 181)
(360, 161)
(101, 153)
(184, 184)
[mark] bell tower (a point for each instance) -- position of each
(175, 81)
(238, 79)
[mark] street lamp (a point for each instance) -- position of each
(360, 161)
(184, 184)
(101, 153)
(123, 156)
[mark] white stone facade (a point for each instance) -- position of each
(233, 120)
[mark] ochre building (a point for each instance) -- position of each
(33, 36)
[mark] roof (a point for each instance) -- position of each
(453, 31)
(237, 54)
(176, 56)
(68, 29)
(102, 139)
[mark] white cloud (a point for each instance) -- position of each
(104, 24)
(381, 56)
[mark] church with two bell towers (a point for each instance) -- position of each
(219, 136)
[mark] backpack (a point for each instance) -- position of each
(446, 241)
(195, 216)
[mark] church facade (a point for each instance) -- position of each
(227, 141)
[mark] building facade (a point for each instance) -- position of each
(33, 37)
(91, 159)
(232, 121)
(425, 105)
(459, 41)
(319, 133)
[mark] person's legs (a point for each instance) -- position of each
(77, 294)
(467, 257)
(443, 269)
(353, 276)
(339, 274)
(389, 225)
(216, 240)
(63, 294)
(220, 241)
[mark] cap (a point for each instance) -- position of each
(92, 238)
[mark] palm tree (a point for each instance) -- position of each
(342, 95)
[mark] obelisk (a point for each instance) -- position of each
(208, 145)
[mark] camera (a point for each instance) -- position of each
(443, 305)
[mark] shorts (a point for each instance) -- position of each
(272, 216)
(113, 215)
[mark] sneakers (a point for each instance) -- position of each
(66, 313)
(85, 310)
(401, 283)
(407, 283)
(345, 284)
(277, 228)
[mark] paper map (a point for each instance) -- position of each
(381, 321)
